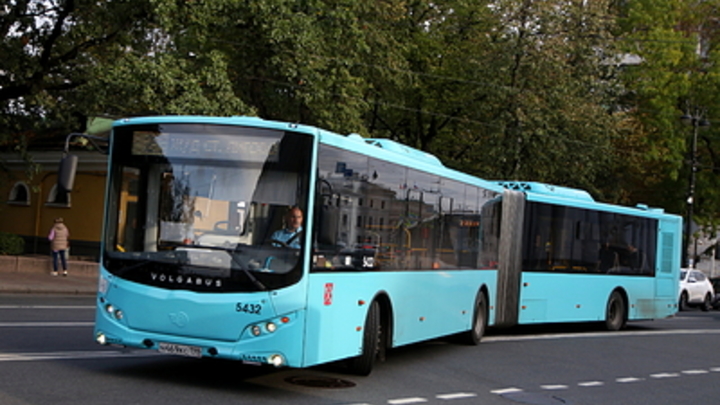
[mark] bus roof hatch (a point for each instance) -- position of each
(397, 147)
(548, 189)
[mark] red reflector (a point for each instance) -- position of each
(284, 319)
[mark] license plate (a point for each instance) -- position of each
(180, 350)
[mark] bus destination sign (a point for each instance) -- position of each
(214, 147)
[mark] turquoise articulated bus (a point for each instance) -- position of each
(283, 244)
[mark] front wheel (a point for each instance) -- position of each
(363, 364)
(615, 312)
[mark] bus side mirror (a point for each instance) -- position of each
(66, 172)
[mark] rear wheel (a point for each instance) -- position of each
(479, 323)
(363, 364)
(615, 312)
(707, 303)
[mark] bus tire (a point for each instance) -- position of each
(479, 321)
(615, 318)
(363, 364)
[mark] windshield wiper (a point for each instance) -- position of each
(136, 265)
(248, 273)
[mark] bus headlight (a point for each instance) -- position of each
(270, 327)
(255, 330)
(100, 338)
(116, 312)
(276, 360)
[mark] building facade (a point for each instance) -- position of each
(32, 202)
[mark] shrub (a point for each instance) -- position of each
(11, 244)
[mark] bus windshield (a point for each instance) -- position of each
(196, 207)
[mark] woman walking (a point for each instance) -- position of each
(59, 243)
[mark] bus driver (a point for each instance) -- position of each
(290, 235)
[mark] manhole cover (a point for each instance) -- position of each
(320, 382)
(534, 399)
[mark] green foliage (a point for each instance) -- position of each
(503, 89)
(508, 89)
(11, 244)
(677, 41)
(66, 60)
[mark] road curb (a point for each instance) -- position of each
(33, 275)
(43, 265)
(32, 291)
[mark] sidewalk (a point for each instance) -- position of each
(32, 275)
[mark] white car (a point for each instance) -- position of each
(695, 290)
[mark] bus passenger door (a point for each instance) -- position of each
(667, 272)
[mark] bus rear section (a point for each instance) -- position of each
(576, 260)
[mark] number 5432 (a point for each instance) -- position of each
(248, 308)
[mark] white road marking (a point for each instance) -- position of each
(620, 380)
(404, 401)
(489, 339)
(694, 372)
(457, 395)
(625, 380)
(554, 387)
(502, 391)
(591, 384)
(665, 375)
(47, 307)
(5, 357)
(45, 324)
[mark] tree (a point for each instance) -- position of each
(676, 42)
(555, 123)
(64, 60)
(508, 89)
(312, 62)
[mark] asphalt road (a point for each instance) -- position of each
(47, 356)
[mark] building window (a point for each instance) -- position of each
(58, 198)
(19, 194)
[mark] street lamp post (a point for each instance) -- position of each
(697, 121)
